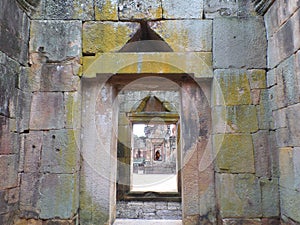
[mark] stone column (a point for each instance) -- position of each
(196, 169)
(99, 154)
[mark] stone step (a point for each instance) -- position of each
(146, 222)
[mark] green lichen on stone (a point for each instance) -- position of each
(235, 119)
(107, 36)
(231, 87)
(106, 10)
(234, 153)
(257, 79)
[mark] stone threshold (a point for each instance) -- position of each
(146, 222)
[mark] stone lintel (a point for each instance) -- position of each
(197, 63)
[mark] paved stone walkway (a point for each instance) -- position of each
(147, 222)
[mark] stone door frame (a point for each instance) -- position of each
(98, 181)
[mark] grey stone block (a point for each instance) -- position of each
(261, 154)
(9, 171)
(59, 196)
(239, 43)
(47, 111)
(57, 40)
(69, 9)
(238, 195)
(59, 77)
(270, 197)
(178, 9)
(60, 152)
(134, 9)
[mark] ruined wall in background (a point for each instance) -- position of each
(283, 80)
(14, 36)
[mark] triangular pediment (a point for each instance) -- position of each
(153, 104)
(146, 40)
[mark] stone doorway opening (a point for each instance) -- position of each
(148, 177)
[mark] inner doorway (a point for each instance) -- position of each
(148, 180)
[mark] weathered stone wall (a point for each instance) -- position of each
(14, 36)
(283, 77)
(245, 163)
(254, 114)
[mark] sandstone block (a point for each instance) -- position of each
(47, 111)
(8, 139)
(69, 9)
(9, 168)
(14, 33)
(8, 71)
(235, 221)
(107, 36)
(106, 9)
(257, 79)
(229, 36)
(264, 114)
(284, 42)
(59, 77)
(270, 197)
(290, 203)
(289, 168)
(195, 35)
(215, 8)
(59, 196)
(235, 119)
(271, 78)
(234, 153)
(23, 110)
(32, 151)
(238, 195)
(29, 195)
(72, 106)
(134, 9)
(231, 87)
(293, 122)
(60, 152)
(182, 9)
(57, 40)
(262, 154)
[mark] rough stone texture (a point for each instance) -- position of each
(14, 31)
(230, 36)
(289, 168)
(47, 111)
(270, 197)
(32, 151)
(59, 196)
(238, 195)
(231, 87)
(149, 210)
(235, 119)
(60, 152)
(106, 10)
(72, 110)
(68, 9)
(56, 40)
(9, 166)
(8, 76)
(8, 140)
(234, 153)
(226, 8)
(235, 221)
(59, 77)
(134, 9)
(285, 41)
(185, 35)
(178, 9)
(96, 34)
(29, 194)
(262, 157)
(290, 203)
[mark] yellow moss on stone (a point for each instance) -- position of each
(107, 36)
(108, 11)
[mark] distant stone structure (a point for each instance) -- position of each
(233, 67)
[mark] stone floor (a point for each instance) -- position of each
(147, 222)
